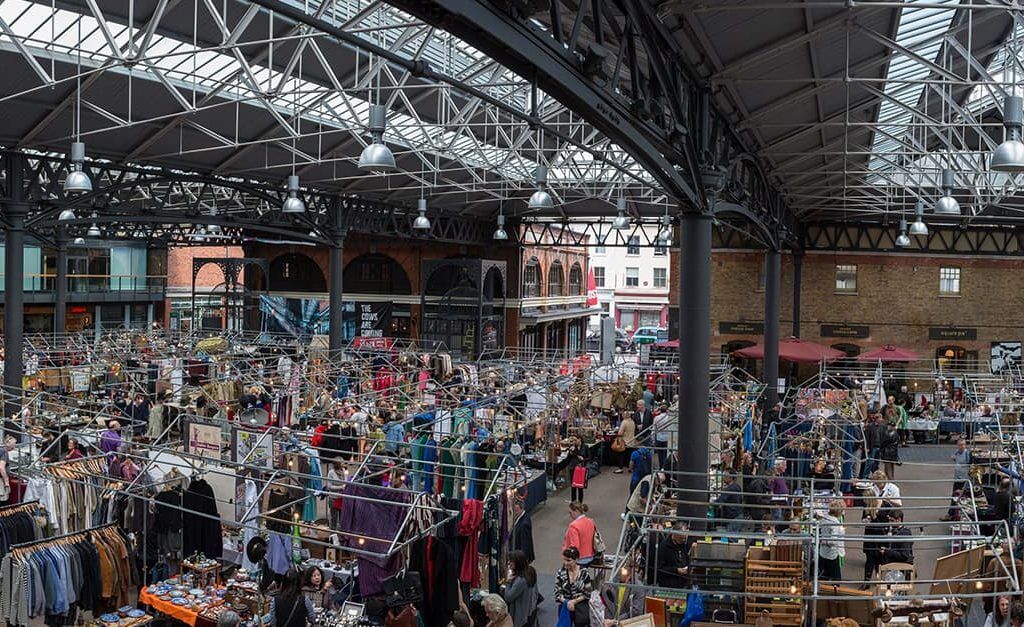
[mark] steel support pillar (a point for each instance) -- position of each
(336, 294)
(798, 268)
(694, 362)
(772, 286)
(15, 210)
(60, 304)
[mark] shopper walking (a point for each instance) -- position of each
(580, 533)
(641, 463)
(627, 433)
(662, 432)
(873, 435)
(961, 465)
(875, 521)
(572, 587)
(578, 474)
(521, 590)
(832, 542)
(899, 549)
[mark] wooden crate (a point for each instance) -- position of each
(770, 585)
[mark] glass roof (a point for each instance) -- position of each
(189, 71)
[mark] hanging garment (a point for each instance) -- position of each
(201, 528)
(469, 527)
(375, 516)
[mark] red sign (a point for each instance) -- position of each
(373, 343)
(591, 289)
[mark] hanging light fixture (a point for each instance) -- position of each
(293, 204)
(541, 199)
(947, 205)
(903, 240)
(1009, 155)
(67, 215)
(621, 221)
(665, 234)
(94, 231)
(422, 222)
(499, 233)
(377, 156)
(918, 227)
(79, 241)
(77, 181)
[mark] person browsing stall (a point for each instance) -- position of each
(580, 533)
(674, 557)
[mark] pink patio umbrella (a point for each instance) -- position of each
(794, 350)
(889, 353)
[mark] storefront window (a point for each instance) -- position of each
(531, 279)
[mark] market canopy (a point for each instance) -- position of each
(795, 350)
(889, 353)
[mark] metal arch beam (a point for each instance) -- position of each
(537, 55)
(724, 207)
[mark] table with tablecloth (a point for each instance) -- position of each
(923, 430)
(536, 491)
(182, 613)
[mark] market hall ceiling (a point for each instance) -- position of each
(851, 110)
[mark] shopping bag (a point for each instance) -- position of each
(579, 476)
(694, 608)
(564, 619)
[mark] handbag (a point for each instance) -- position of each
(618, 444)
(403, 588)
(694, 608)
(581, 615)
(599, 546)
(564, 620)
(579, 476)
(408, 617)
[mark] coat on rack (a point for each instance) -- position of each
(199, 532)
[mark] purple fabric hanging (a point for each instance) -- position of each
(377, 523)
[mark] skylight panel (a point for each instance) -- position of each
(917, 25)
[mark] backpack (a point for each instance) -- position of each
(643, 463)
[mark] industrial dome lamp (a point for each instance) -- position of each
(918, 227)
(541, 199)
(94, 231)
(377, 156)
(499, 233)
(947, 205)
(621, 221)
(293, 204)
(422, 222)
(665, 234)
(1009, 155)
(77, 182)
(903, 240)
(67, 215)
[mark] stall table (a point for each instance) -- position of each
(182, 613)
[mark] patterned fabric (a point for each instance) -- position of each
(566, 590)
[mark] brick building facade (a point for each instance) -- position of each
(948, 307)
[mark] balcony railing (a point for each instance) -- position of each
(95, 283)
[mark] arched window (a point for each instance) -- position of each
(576, 280)
(556, 279)
(296, 273)
(375, 274)
(531, 278)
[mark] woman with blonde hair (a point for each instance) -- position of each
(831, 542)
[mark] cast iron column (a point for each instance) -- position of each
(798, 267)
(694, 361)
(337, 271)
(60, 303)
(772, 271)
(15, 209)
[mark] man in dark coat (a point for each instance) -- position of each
(522, 530)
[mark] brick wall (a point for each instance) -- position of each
(897, 298)
(179, 265)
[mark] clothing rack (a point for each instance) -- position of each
(84, 532)
(7, 510)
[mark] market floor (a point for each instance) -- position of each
(925, 481)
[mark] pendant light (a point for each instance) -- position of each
(947, 205)
(77, 181)
(919, 227)
(377, 156)
(665, 234)
(541, 199)
(94, 231)
(903, 240)
(79, 241)
(621, 221)
(67, 215)
(499, 233)
(293, 204)
(1009, 155)
(422, 222)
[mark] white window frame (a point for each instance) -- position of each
(843, 285)
(635, 277)
(663, 282)
(949, 281)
